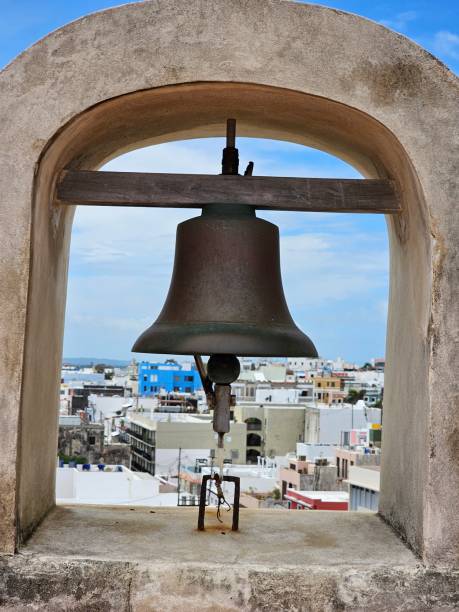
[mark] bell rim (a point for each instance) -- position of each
(244, 340)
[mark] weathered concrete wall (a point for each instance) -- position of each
(45, 585)
(157, 71)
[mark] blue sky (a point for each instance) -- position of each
(335, 267)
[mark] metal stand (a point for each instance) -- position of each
(202, 500)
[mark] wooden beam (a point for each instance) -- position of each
(196, 190)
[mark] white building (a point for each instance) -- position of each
(364, 485)
(311, 452)
(305, 364)
(331, 421)
(116, 485)
(259, 478)
(283, 395)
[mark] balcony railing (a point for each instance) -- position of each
(142, 437)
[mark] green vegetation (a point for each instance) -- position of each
(354, 396)
(76, 458)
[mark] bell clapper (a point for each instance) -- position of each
(216, 379)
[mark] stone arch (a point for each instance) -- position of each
(252, 456)
(253, 439)
(150, 72)
(253, 424)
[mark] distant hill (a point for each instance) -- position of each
(88, 361)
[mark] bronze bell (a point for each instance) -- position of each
(226, 292)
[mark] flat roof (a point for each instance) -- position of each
(164, 417)
(322, 495)
(271, 406)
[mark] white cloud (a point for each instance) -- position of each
(446, 44)
(114, 324)
(172, 157)
(320, 269)
(400, 21)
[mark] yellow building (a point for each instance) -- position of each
(328, 389)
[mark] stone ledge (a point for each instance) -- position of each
(85, 558)
(270, 538)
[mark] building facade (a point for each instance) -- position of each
(272, 429)
(85, 443)
(169, 377)
(155, 442)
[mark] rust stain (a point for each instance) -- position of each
(320, 540)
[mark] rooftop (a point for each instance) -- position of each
(323, 495)
(151, 421)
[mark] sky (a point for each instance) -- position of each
(334, 267)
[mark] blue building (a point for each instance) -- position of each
(170, 376)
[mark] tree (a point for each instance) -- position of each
(354, 396)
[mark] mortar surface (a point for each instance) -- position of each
(267, 537)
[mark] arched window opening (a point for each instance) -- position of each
(252, 456)
(253, 440)
(253, 424)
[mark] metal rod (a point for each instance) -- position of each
(202, 502)
(178, 475)
(222, 404)
(231, 132)
(205, 380)
(230, 158)
(237, 494)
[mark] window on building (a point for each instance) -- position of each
(91, 439)
(145, 378)
(189, 378)
(253, 440)
(188, 390)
